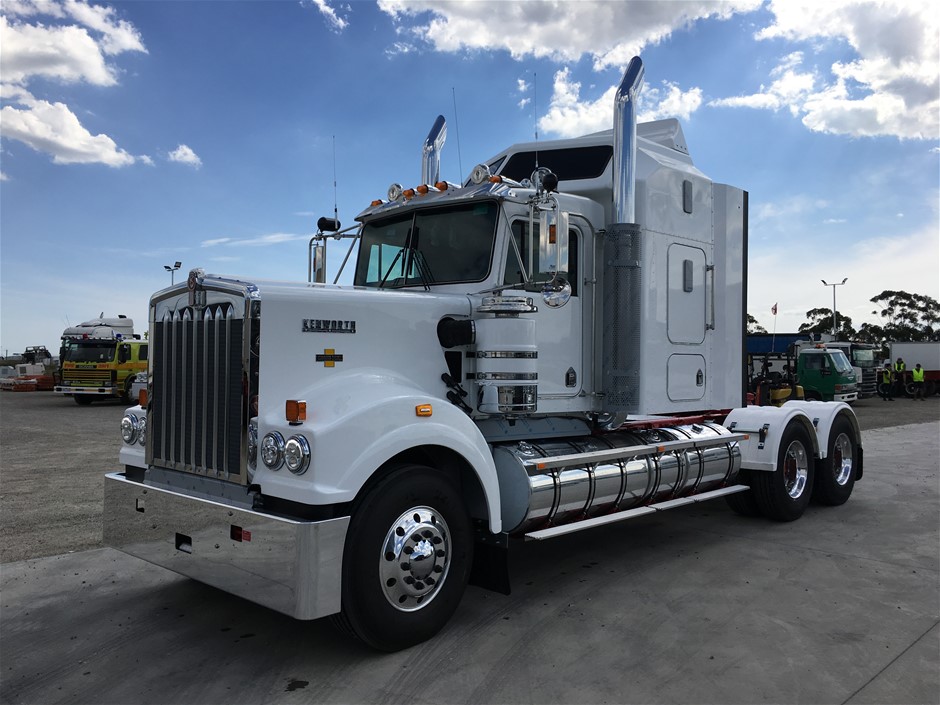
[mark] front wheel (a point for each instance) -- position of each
(783, 494)
(407, 559)
(836, 478)
(83, 399)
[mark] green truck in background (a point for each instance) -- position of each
(818, 372)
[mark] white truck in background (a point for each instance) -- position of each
(554, 345)
(928, 355)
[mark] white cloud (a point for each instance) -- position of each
(183, 154)
(892, 89)
(53, 128)
(216, 241)
(569, 116)
(71, 51)
(333, 20)
(4, 177)
(260, 241)
(610, 32)
(67, 53)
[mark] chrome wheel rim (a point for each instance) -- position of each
(795, 469)
(415, 559)
(842, 459)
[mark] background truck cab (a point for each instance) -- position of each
(826, 375)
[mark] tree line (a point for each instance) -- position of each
(903, 317)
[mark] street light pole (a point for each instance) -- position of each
(834, 325)
(172, 270)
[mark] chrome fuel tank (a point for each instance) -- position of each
(535, 497)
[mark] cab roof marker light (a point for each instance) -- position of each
(376, 202)
(408, 194)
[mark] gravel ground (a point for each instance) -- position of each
(54, 453)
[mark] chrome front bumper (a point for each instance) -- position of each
(294, 567)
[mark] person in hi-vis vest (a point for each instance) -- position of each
(886, 385)
(917, 375)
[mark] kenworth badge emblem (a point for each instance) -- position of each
(197, 296)
(322, 325)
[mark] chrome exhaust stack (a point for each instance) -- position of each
(623, 279)
(431, 152)
(624, 166)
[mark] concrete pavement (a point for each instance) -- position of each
(696, 605)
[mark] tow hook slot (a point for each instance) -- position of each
(184, 543)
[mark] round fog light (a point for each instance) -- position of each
(297, 454)
(272, 450)
(129, 428)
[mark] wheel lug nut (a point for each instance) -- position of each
(406, 566)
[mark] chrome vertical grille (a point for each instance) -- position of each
(198, 407)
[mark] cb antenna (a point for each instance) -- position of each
(535, 114)
(453, 93)
(335, 208)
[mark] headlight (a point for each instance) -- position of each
(142, 430)
(253, 442)
(129, 428)
(272, 450)
(297, 454)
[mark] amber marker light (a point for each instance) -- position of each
(423, 410)
(441, 185)
(423, 189)
(142, 397)
(408, 193)
(377, 202)
(295, 411)
(496, 179)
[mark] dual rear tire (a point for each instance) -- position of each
(784, 494)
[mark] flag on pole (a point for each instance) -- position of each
(773, 310)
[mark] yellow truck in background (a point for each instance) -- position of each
(100, 358)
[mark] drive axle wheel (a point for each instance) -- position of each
(407, 559)
(836, 477)
(783, 494)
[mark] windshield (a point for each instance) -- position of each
(431, 246)
(841, 362)
(863, 357)
(89, 352)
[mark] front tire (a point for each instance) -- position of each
(407, 559)
(782, 495)
(83, 399)
(836, 478)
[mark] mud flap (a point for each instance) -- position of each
(490, 569)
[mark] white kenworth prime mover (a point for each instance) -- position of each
(555, 345)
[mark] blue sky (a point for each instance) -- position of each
(136, 134)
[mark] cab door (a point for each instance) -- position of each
(560, 331)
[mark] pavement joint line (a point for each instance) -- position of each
(888, 665)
